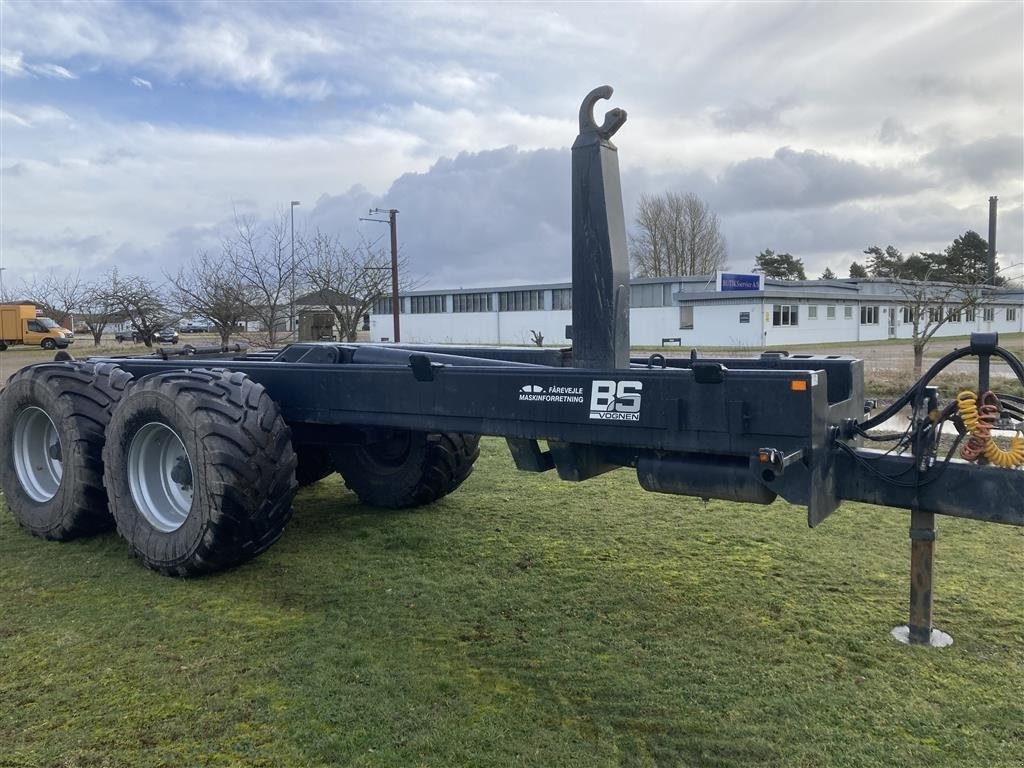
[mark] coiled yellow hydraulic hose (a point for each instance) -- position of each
(979, 420)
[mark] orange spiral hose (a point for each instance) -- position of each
(979, 421)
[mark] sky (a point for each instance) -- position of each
(132, 134)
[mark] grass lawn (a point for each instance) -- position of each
(520, 621)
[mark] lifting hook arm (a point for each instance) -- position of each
(613, 119)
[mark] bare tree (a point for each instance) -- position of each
(97, 310)
(345, 281)
(929, 305)
(139, 301)
(208, 288)
(59, 296)
(66, 298)
(260, 259)
(676, 234)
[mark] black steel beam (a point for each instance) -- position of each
(960, 489)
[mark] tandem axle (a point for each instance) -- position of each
(195, 456)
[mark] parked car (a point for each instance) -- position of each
(163, 336)
(194, 326)
(166, 336)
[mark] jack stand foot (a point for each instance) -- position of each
(919, 631)
(938, 639)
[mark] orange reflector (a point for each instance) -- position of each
(764, 457)
(798, 385)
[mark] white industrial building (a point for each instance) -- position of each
(693, 311)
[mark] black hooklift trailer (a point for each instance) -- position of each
(195, 456)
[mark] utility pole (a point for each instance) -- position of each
(291, 316)
(993, 203)
(392, 221)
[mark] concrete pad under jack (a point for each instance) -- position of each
(938, 639)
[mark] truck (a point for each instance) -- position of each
(194, 455)
(22, 324)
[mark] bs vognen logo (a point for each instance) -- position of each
(615, 400)
(609, 400)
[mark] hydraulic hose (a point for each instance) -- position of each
(979, 420)
(911, 393)
(1016, 366)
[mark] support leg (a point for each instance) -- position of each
(919, 630)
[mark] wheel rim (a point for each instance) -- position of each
(160, 476)
(392, 453)
(38, 454)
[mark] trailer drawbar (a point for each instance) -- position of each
(195, 455)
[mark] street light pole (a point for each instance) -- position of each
(392, 221)
(291, 315)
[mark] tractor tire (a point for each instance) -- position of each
(3, 345)
(409, 469)
(53, 419)
(48, 344)
(200, 470)
(315, 463)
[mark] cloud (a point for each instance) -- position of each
(743, 116)
(345, 106)
(912, 226)
(139, 82)
(984, 161)
(804, 179)
(76, 248)
(498, 216)
(6, 116)
(13, 64)
(893, 131)
(53, 71)
(29, 115)
(274, 51)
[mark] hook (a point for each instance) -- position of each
(613, 119)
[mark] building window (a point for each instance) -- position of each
(1011, 314)
(686, 318)
(785, 314)
(953, 316)
(812, 312)
(934, 314)
(869, 315)
(970, 315)
(908, 315)
(988, 314)
(520, 301)
(472, 302)
(648, 295)
(383, 306)
(561, 298)
(744, 317)
(848, 313)
(427, 305)
(830, 312)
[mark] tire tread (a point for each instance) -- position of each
(249, 469)
(92, 389)
(439, 463)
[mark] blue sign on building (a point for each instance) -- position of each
(728, 281)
